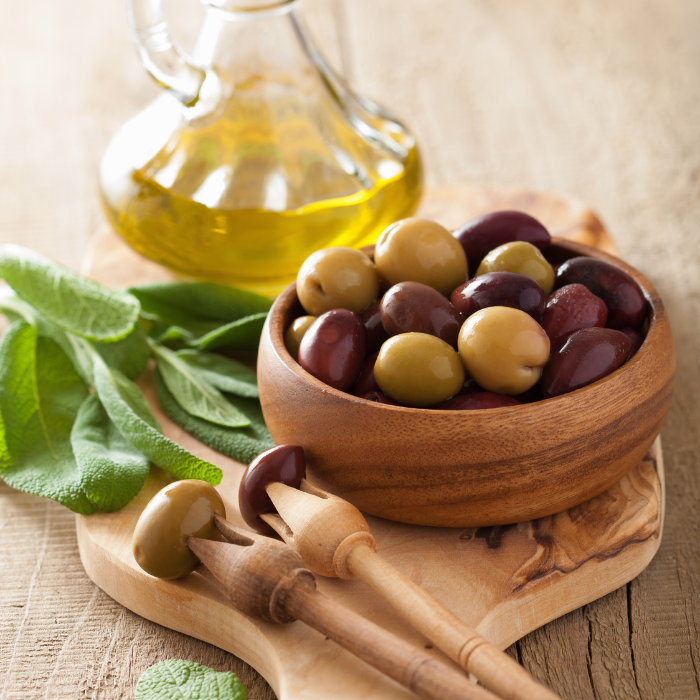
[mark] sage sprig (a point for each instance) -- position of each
(73, 426)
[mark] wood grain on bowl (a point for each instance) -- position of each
(466, 468)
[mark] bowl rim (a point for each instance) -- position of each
(655, 310)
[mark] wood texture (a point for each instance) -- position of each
(333, 539)
(597, 546)
(598, 99)
(449, 468)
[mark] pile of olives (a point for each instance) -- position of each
(467, 320)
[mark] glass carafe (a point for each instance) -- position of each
(256, 154)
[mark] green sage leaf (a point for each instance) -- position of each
(40, 395)
(130, 355)
(193, 391)
(242, 444)
(243, 334)
(193, 305)
(69, 301)
(225, 374)
(185, 680)
(129, 411)
(111, 471)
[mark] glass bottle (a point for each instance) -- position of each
(256, 154)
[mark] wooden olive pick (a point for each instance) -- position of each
(333, 539)
(267, 579)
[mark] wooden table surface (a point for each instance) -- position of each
(598, 99)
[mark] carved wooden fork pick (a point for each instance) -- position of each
(333, 539)
(266, 579)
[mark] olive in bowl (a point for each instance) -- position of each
(460, 468)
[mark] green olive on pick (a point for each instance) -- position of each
(180, 510)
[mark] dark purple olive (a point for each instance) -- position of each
(500, 289)
(636, 338)
(412, 307)
(534, 393)
(483, 234)
(586, 356)
(378, 397)
(366, 381)
(626, 304)
(469, 387)
(284, 463)
(372, 320)
(477, 401)
(333, 349)
(570, 309)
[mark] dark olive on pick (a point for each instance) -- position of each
(483, 234)
(586, 356)
(180, 510)
(570, 309)
(333, 348)
(626, 304)
(500, 289)
(477, 401)
(412, 307)
(284, 463)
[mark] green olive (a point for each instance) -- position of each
(295, 332)
(418, 250)
(503, 349)
(522, 258)
(337, 278)
(417, 369)
(180, 510)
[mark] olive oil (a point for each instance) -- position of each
(243, 196)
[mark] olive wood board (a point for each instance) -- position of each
(505, 581)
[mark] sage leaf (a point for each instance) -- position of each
(69, 301)
(242, 444)
(185, 680)
(130, 355)
(194, 393)
(129, 411)
(40, 395)
(243, 334)
(111, 471)
(223, 373)
(193, 305)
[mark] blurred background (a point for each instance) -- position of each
(597, 99)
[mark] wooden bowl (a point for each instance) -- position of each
(471, 468)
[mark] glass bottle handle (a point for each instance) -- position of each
(160, 55)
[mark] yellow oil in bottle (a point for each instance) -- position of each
(244, 196)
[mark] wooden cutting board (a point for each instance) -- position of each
(505, 581)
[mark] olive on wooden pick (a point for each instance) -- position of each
(284, 463)
(180, 510)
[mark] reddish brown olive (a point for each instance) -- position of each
(483, 234)
(378, 397)
(366, 381)
(284, 463)
(570, 309)
(333, 348)
(477, 401)
(626, 304)
(372, 321)
(412, 307)
(636, 338)
(586, 356)
(500, 289)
